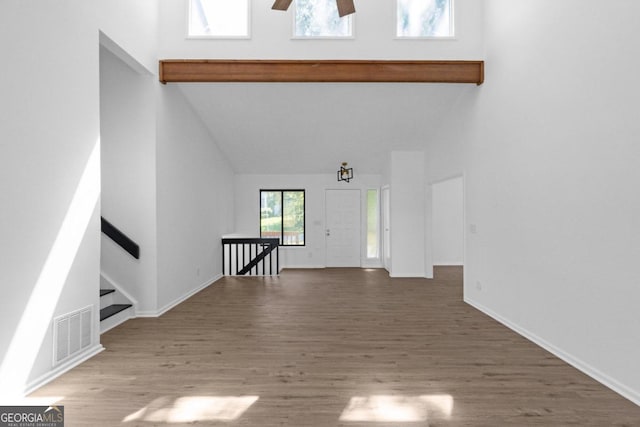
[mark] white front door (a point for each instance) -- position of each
(342, 220)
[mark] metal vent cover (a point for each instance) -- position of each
(72, 332)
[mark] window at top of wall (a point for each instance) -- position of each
(218, 18)
(319, 18)
(424, 18)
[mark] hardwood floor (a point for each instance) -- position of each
(334, 347)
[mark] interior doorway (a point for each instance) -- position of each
(448, 222)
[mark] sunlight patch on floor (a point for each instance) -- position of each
(189, 409)
(385, 408)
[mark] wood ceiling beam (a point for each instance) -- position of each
(308, 71)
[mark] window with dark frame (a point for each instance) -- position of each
(282, 215)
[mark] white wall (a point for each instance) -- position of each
(48, 132)
(133, 26)
(374, 36)
(194, 201)
(407, 214)
(312, 255)
(550, 154)
(448, 222)
(128, 131)
(49, 128)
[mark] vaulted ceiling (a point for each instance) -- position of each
(299, 128)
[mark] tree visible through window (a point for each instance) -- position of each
(282, 216)
(424, 18)
(319, 18)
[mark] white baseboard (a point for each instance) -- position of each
(448, 264)
(408, 275)
(303, 266)
(169, 306)
(63, 368)
(371, 264)
(606, 380)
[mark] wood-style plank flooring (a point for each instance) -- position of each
(333, 347)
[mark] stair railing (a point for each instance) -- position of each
(249, 255)
(120, 238)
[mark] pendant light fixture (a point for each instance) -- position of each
(345, 174)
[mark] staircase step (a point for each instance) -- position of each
(104, 292)
(111, 310)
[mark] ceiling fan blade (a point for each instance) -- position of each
(281, 4)
(345, 7)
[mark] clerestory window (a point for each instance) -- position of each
(424, 18)
(319, 19)
(218, 19)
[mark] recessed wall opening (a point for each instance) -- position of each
(448, 223)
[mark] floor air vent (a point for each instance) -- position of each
(71, 334)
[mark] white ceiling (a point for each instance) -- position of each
(298, 128)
